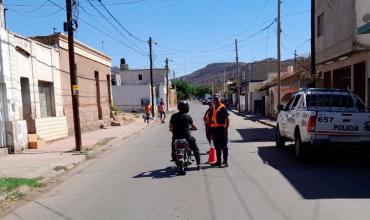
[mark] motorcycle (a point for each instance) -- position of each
(183, 155)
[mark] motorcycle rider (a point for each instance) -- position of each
(180, 125)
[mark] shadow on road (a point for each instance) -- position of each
(339, 175)
(168, 172)
(255, 135)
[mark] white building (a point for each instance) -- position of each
(30, 92)
(343, 44)
(131, 88)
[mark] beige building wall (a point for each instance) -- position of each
(92, 67)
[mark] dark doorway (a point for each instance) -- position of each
(342, 78)
(257, 107)
(26, 103)
(26, 98)
(359, 79)
(97, 83)
(109, 90)
(327, 80)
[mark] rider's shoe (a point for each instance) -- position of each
(198, 167)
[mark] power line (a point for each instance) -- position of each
(125, 29)
(111, 37)
(97, 29)
(34, 16)
(105, 18)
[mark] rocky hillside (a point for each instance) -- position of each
(213, 73)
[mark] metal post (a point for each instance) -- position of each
(73, 75)
(151, 73)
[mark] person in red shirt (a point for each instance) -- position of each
(207, 121)
(162, 112)
(147, 112)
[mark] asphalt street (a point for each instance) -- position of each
(136, 180)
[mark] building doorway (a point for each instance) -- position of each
(342, 78)
(327, 80)
(98, 101)
(360, 80)
(26, 98)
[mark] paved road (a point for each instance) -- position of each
(137, 181)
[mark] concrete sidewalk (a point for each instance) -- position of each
(58, 156)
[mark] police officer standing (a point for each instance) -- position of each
(219, 131)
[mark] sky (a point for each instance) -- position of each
(191, 33)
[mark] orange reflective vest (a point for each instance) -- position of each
(214, 122)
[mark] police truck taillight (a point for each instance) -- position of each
(311, 124)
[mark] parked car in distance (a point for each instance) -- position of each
(323, 117)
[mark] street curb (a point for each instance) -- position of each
(260, 121)
(266, 123)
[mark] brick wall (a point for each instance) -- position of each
(86, 69)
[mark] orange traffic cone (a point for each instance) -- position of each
(212, 156)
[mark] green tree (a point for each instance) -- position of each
(184, 89)
(200, 91)
(187, 90)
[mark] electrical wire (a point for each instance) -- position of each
(108, 35)
(35, 16)
(125, 29)
(105, 18)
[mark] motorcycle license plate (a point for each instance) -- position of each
(180, 152)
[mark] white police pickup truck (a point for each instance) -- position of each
(321, 117)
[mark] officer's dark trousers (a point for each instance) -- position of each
(192, 145)
(219, 137)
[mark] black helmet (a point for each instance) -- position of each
(183, 106)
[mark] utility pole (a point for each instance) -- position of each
(237, 75)
(151, 72)
(218, 81)
(167, 84)
(224, 83)
(313, 38)
(295, 60)
(73, 75)
(278, 52)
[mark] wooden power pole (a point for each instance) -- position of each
(151, 73)
(313, 39)
(75, 88)
(278, 52)
(237, 75)
(167, 84)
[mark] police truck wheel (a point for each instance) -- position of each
(300, 148)
(280, 142)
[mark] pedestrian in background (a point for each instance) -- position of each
(161, 111)
(147, 112)
(219, 131)
(207, 118)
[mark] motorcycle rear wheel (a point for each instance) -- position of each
(182, 170)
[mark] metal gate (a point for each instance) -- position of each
(2, 117)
